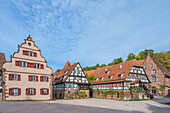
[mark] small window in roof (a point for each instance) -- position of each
(29, 44)
(107, 72)
(120, 66)
(151, 66)
(96, 79)
(101, 78)
(110, 77)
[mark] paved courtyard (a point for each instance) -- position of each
(86, 106)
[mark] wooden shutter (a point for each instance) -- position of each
(29, 78)
(35, 54)
(10, 76)
(19, 91)
(10, 91)
(47, 91)
(119, 84)
(143, 77)
(32, 65)
(134, 68)
(130, 76)
(127, 84)
(139, 69)
(26, 91)
(41, 91)
(40, 78)
(42, 66)
(19, 77)
(34, 91)
(37, 78)
(28, 64)
(47, 79)
(16, 63)
(24, 52)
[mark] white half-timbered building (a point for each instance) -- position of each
(120, 77)
(70, 80)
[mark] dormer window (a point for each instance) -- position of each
(96, 79)
(154, 71)
(120, 76)
(151, 66)
(101, 78)
(66, 72)
(145, 66)
(110, 77)
(107, 72)
(29, 44)
(120, 66)
(60, 78)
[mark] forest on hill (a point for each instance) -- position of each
(162, 57)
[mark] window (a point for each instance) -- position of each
(44, 79)
(154, 71)
(28, 53)
(145, 66)
(24, 64)
(153, 78)
(14, 77)
(35, 65)
(14, 91)
(32, 78)
(101, 78)
(75, 71)
(77, 68)
(80, 78)
(29, 44)
(38, 66)
(78, 72)
(30, 91)
(74, 78)
(151, 66)
(133, 76)
(20, 63)
(140, 76)
(31, 54)
(110, 77)
(119, 76)
(44, 91)
(107, 72)
(96, 79)
(120, 66)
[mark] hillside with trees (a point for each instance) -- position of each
(162, 57)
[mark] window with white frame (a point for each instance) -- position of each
(14, 77)
(24, 64)
(110, 77)
(44, 78)
(20, 63)
(32, 78)
(14, 91)
(30, 91)
(44, 91)
(120, 66)
(96, 79)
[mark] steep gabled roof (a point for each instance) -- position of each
(161, 67)
(67, 68)
(115, 70)
(2, 60)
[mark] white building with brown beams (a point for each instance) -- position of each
(27, 76)
(70, 80)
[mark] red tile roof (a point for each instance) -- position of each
(89, 72)
(115, 70)
(2, 60)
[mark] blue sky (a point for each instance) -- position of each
(85, 31)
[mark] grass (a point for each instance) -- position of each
(139, 99)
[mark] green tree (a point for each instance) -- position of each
(90, 77)
(58, 70)
(144, 53)
(105, 94)
(131, 56)
(116, 61)
(138, 57)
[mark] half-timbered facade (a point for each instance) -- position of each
(121, 77)
(69, 80)
(27, 76)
